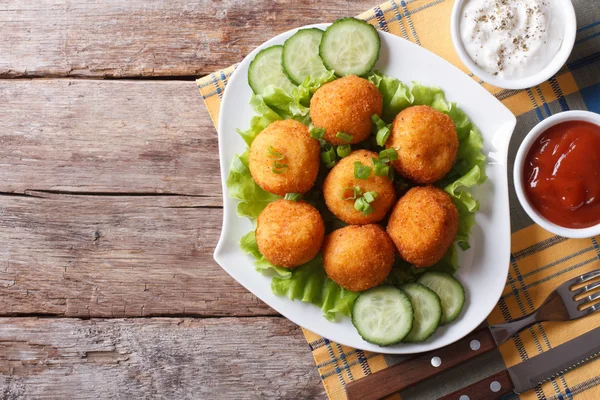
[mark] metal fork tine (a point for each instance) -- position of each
(591, 309)
(589, 298)
(586, 288)
(587, 276)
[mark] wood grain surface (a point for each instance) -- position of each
(139, 38)
(140, 137)
(155, 358)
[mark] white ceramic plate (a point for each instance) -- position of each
(483, 268)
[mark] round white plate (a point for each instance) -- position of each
(483, 269)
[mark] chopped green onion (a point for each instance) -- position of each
(361, 171)
(344, 150)
(317, 133)
(370, 196)
(328, 155)
(274, 154)
(392, 174)
(346, 137)
(381, 168)
(356, 192)
(363, 206)
(388, 155)
(382, 130)
(278, 168)
(293, 196)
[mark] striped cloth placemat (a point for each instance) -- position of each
(540, 261)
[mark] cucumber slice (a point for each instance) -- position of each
(382, 315)
(350, 46)
(427, 308)
(301, 55)
(450, 291)
(266, 70)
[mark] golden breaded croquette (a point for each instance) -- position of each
(284, 158)
(341, 177)
(423, 225)
(426, 142)
(346, 105)
(358, 257)
(289, 233)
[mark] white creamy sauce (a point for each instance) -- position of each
(511, 39)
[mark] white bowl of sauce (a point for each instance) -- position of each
(557, 174)
(513, 44)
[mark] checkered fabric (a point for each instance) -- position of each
(539, 260)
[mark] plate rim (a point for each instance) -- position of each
(508, 127)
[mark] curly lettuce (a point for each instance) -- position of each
(308, 282)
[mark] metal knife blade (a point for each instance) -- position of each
(570, 355)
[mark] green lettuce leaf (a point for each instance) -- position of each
(249, 246)
(241, 186)
(310, 284)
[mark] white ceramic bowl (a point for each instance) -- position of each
(564, 7)
(524, 148)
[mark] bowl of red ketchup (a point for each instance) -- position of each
(557, 174)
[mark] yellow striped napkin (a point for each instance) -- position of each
(540, 261)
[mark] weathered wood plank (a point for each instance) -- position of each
(115, 256)
(106, 136)
(230, 358)
(131, 38)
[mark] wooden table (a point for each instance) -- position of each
(110, 204)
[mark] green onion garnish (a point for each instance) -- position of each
(361, 171)
(363, 206)
(274, 154)
(293, 196)
(351, 192)
(344, 150)
(328, 155)
(317, 133)
(346, 137)
(382, 131)
(388, 155)
(278, 168)
(381, 168)
(370, 196)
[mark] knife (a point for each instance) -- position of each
(534, 371)
(407, 373)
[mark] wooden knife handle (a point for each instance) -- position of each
(409, 372)
(492, 387)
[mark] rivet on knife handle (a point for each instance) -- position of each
(493, 387)
(409, 372)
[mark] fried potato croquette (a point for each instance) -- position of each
(284, 158)
(341, 177)
(289, 233)
(358, 257)
(346, 105)
(426, 142)
(423, 225)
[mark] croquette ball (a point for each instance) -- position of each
(346, 105)
(341, 178)
(423, 225)
(426, 142)
(284, 158)
(358, 257)
(289, 233)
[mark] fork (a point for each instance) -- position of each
(560, 305)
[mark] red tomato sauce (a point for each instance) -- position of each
(562, 174)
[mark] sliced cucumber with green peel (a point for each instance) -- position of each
(383, 315)
(266, 70)
(350, 46)
(301, 55)
(450, 291)
(427, 309)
